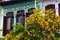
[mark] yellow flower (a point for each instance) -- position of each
(33, 15)
(46, 23)
(42, 25)
(56, 25)
(51, 11)
(49, 29)
(6, 39)
(28, 39)
(49, 20)
(12, 38)
(48, 11)
(58, 18)
(28, 32)
(34, 35)
(46, 14)
(27, 21)
(44, 38)
(54, 28)
(33, 19)
(17, 37)
(49, 37)
(39, 17)
(58, 30)
(38, 22)
(46, 27)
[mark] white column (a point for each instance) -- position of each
(15, 12)
(35, 3)
(25, 11)
(56, 9)
(41, 5)
(1, 22)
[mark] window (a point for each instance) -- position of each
(51, 6)
(18, 19)
(9, 20)
(20, 16)
(8, 23)
(30, 11)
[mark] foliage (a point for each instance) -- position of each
(17, 33)
(43, 25)
(39, 26)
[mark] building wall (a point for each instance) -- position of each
(24, 6)
(13, 8)
(1, 22)
(46, 3)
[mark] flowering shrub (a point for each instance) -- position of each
(16, 34)
(44, 26)
(39, 26)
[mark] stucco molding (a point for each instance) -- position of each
(18, 8)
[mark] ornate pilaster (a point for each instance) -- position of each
(25, 11)
(15, 12)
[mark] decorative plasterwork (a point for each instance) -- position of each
(17, 7)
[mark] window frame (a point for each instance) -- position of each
(5, 30)
(20, 14)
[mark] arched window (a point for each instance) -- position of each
(30, 11)
(51, 6)
(8, 22)
(20, 17)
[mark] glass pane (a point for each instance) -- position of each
(8, 23)
(18, 19)
(23, 20)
